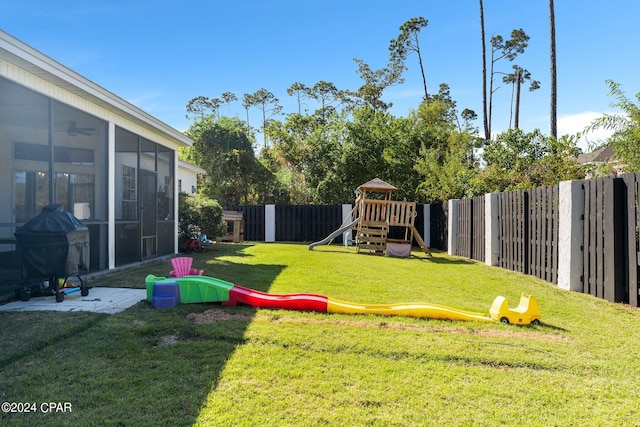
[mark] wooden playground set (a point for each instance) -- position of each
(374, 219)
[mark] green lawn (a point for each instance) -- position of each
(202, 364)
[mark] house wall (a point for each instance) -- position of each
(49, 80)
(188, 180)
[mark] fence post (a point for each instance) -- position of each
(491, 229)
(615, 200)
(453, 227)
(426, 232)
(347, 236)
(570, 235)
(269, 223)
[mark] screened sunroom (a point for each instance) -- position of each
(65, 140)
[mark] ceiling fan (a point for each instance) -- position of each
(74, 130)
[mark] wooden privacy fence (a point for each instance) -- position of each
(439, 229)
(471, 228)
(253, 221)
(611, 258)
(543, 217)
(528, 232)
(293, 223)
(305, 223)
(600, 220)
(632, 260)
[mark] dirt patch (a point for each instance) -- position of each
(214, 315)
(166, 341)
(514, 332)
(221, 315)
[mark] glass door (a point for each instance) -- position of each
(148, 213)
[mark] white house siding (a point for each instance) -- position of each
(188, 177)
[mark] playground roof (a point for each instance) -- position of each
(377, 184)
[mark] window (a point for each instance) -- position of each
(76, 193)
(31, 191)
(129, 201)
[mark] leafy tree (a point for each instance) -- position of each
(326, 94)
(201, 106)
(625, 126)
(228, 98)
(234, 174)
(290, 154)
(448, 174)
(375, 82)
(324, 163)
(300, 91)
(267, 103)
(517, 78)
(517, 160)
(363, 151)
(408, 42)
(247, 102)
(501, 49)
(446, 163)
(468, 116)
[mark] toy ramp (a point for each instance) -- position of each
(257, 299)
(421, 310)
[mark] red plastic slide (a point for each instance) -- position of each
(257, 299)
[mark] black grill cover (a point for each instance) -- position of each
(54, 243)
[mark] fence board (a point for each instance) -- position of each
(632, 264)
(543, 233)
(439, 231)
(253, 221)
(514, 228)
(594, 237)
(464, 228)
(615, 246)
(478, 229)
(306, 223)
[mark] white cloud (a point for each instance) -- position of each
(574, 123)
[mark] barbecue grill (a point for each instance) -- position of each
(53, 245)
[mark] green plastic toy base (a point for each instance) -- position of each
(194, 289)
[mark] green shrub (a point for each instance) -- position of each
(199, 215)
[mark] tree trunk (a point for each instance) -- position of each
(424, 79)
(487, 128)
(554, 88)
(516, 116)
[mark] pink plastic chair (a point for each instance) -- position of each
(182, 267)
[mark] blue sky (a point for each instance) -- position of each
(159, 54)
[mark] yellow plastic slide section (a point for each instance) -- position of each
(421, 310)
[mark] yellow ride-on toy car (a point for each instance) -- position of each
(526, 313)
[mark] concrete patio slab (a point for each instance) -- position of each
(99, 300)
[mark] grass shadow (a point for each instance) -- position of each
(450, 261)
(148, 366)
(339, 249)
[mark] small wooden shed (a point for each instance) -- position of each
(235, 226)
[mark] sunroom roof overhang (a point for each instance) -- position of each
(25, 57)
